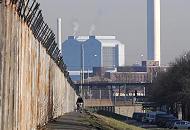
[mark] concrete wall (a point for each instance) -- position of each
(128, 110)
(98, 102)
(33, 89)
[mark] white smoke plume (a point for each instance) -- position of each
(75, 28)
(92, 29)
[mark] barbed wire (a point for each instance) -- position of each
(29, 11)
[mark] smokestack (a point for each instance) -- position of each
(153, 30)
(59, 33)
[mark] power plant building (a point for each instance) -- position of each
(112, 50)
(86, 52)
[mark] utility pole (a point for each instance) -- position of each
(82, 69)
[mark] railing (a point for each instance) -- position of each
(31, 14)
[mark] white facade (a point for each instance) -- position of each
(107, 44)
(121, 55)
(111, 42)
(153, 30)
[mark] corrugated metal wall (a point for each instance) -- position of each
(33, 89)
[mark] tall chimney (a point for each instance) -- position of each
(153, 30)
(59, 33)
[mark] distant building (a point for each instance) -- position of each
(130, 74)
(129, 77)
(112, 51)
(98, 51)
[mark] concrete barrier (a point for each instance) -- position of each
(128, 110)
(98, 102)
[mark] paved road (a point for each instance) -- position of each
(70, 121)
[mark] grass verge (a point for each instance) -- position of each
(105, 123)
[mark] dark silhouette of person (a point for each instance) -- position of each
(79, 100)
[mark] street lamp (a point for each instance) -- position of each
(82, 69)
(91, 63)
(93, 60)
(142, 57)
(185, 56)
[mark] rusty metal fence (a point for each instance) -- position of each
(35, 85)
(29, 11)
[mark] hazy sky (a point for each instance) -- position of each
(127, 20)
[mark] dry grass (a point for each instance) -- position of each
(104, 123)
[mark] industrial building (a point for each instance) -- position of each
(82, 53)
(112, 51)
(127, 74)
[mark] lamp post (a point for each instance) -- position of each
(185, 55)
(142, 57)
(90, 65)
(82, 69)
(95, 60)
